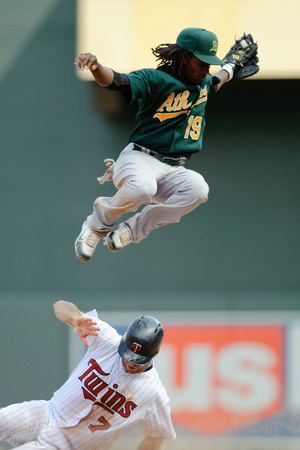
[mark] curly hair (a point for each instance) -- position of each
(171, 58)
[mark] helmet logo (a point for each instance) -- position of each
(136, 347)
(214, 47)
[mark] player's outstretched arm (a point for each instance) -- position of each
(69, 314)
(224, 77)
(151, 443)
(103, 75)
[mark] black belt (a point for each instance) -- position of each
(165, 159)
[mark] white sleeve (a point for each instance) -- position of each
(107, 336)
(159, 424)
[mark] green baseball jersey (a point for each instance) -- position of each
(170, 117)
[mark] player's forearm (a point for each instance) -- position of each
(151, 443)
(103, 75)
(224, 77)
(67, 312)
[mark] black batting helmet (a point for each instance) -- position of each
(142, 340)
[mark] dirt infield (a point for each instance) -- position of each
(188, 441)
(185, 441)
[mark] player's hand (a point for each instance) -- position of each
(86, 327)
(86, 61)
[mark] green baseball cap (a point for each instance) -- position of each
(202, 43)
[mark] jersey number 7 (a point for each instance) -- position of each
(104, 425)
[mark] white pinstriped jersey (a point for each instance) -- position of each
(100, 400)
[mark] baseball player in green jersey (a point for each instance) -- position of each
(169, 128)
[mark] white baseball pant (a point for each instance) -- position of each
(21, 423)
(33, 426)
(169, 192)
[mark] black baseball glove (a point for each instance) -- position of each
(241, 60)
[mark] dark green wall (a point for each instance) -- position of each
(239, 251)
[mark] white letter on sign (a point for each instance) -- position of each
(194, 392)
(247, 383)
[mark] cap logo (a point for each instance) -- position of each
(136, 347)
(214, 47)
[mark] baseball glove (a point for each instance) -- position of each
(241, 60)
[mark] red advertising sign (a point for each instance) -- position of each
(223, 377)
